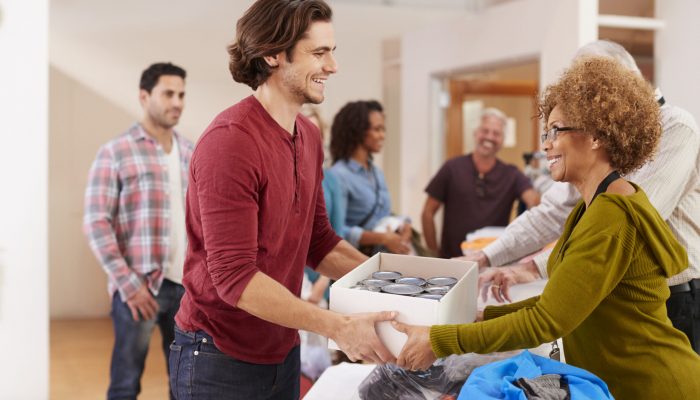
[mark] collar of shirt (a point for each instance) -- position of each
(658, 96)
(356, 167)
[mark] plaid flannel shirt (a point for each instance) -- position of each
(127, 209)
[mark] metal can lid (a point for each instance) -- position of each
(375, 282)
(411, 280)
(359, 287)
(386, 275)
(430, 296)
(397, 288)
(442, 281)
(441, 290)
(374, 289)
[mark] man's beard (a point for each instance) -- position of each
(300, 93)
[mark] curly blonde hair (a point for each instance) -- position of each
(611, 103)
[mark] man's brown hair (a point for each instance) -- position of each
(267, 28)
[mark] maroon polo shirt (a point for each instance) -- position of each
(254, 203)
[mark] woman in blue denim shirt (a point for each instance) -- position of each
(356, 134)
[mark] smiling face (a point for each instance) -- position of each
(303, 75)
(374, 138)
(571, 155)
(164, 104)
(488, 137)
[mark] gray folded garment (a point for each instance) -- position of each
(545, 387)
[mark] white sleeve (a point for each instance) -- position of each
(540, 261)
(664, 179)
(536, 227)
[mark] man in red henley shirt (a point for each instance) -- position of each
(256, 216)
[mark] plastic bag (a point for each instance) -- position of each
(314, 354)
(442, 381)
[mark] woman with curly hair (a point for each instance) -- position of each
(607, 288)
(356, 134)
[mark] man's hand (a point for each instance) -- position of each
(417, 354)
(357, 337)
(478, 256)
(143, 303)
(500, 279)
(394, 243)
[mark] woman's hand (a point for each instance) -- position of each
(417, 354)
(406, 232)
(394, 243)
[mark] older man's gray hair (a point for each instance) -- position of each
(606, 48)
(495, 113)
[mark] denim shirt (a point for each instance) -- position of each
(358, 186)
(335, 202)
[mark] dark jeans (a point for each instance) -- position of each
(684, 312)
(201, 371)
(131, 339)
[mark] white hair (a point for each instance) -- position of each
(606, 48)
(495, 113)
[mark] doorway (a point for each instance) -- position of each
(512, 89)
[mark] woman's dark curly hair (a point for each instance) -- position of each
(610, 103)
(267, 28)
(350, 127)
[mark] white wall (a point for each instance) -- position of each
(23, 203)
(547, 30)
(677, 48)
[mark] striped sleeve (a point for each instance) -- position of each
(101, 203)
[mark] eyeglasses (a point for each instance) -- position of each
(553, 133)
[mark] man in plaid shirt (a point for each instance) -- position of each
(135, 222)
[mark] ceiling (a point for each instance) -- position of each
(469, 5)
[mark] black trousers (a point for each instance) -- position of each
(684, 312)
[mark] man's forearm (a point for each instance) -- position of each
(534, 228)
(341, 260)
(267, 299)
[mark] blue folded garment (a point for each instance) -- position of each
(495, 380)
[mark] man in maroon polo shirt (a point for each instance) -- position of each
(256, 216)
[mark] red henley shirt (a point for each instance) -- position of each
(254, 203)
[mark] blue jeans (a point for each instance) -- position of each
(201, 371)
(131, 339)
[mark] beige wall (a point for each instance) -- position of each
(79, 122)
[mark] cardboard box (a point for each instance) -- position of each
(458, 306)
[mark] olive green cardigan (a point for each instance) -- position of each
(606, 298)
